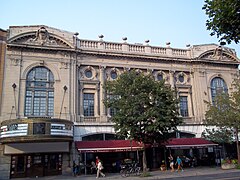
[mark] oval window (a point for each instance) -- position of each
(113, 75)
(160, 77)
(181, 78)
(88, 73)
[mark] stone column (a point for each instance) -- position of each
(80, 97)
(171, 79)
(191, 91)
(103, 116)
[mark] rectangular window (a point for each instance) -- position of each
(88, 104)
(183, 106)
(113, 111)
(39, 128)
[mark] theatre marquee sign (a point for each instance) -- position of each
(43, 128)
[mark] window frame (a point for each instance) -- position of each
(39, 93)
(183, 103)
(88, 101)
(217, 84)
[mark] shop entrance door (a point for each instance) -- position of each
(37, 167)
(18, 166)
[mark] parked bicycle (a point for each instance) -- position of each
(130, 169)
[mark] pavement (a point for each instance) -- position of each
(157, 174)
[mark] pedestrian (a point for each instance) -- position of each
(99, 169)
(74, 169)
(171, 161)
(187, 161)
(179, 164)
(93, 167)
(97, 160)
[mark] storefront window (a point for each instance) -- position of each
(20, 164)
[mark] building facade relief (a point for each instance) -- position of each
(59, 78)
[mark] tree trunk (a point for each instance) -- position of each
(144, 160)
(238, 150)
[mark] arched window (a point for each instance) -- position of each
(218, 86)
(39, 97)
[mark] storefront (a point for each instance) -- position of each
(36, 147)
(201, 151)
(111, 152)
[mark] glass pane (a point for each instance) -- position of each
(183, 106)
(88, 104)
(113, 75)
(218, 86)
(41, 80)
(159, 77)
(38, 128)
(88, 73)
(20, 164)
(181, 78)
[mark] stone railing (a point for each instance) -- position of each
(133, 48)
(82, 119)
(113, 46)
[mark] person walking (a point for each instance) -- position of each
(97, 160)
(74, 168)
(171, 161)
(99, 169)
(179, 164)
(93, 167)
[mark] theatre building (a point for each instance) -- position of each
(51, 85)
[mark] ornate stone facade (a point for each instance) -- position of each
(80, 68)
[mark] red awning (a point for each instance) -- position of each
(188, 143)
(108, 146)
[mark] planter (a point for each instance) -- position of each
(228, 166)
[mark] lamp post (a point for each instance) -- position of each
(65, 89)
(14, 86)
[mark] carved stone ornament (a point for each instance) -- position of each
(65, 65)
(42, 38)
(219, 54)
(15, 62)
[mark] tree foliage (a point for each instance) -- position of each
(219, 135)
(146, 110)
(225, 112)
(224, 19)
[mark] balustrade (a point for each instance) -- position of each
(136, 48)
(89, 44)
(143, 49)
(179, 52)
(158, 50)
(113, 46)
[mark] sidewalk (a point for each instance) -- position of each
(153, 174)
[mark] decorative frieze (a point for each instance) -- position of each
(15, 61)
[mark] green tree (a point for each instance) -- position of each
(224, 112)
(146, 110)
(224, 19)
(221, 135)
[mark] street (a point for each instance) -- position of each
(220, 176)
(188, 174)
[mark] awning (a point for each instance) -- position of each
(108, 146)
(185, 143)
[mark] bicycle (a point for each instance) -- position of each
(130, 169)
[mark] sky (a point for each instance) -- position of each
(180, 22)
